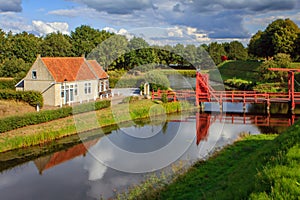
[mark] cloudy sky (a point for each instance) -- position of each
(202, 21)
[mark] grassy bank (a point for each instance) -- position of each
(256, 167)
(245, 70)
(45, 132)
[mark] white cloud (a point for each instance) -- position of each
(75, 12)
(10, 21)
(49, 27)
(121, 31)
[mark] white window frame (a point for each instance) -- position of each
(88, 88)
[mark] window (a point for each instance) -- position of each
(34, 75)
(62, 91)
(75, 90)
(88, 88)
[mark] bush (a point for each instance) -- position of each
(14, 122)
(164, 98)
(7, 84)
(157, 80)
(33, 98)
(240, 84)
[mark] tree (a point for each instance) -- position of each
(85, 38)
(237, 51)
(215, 51)
(279, 61)
(25, 46)
(111, 53)
(140, 53)
(57, 45)
(254, 44)
(15, 67)
(279, 37)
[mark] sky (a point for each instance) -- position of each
(157, 21)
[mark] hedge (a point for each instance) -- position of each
(14, 122)
(6, 83)
(33, 98)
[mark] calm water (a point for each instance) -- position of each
(126, 155)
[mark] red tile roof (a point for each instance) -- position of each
(98, 69)
(68, 68)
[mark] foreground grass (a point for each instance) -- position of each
(256, 167)
(45, 132)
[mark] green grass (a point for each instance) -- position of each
(256, 167)
(246, 70)
(295, 65)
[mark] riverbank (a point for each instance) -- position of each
(49, 131)
(255, 167)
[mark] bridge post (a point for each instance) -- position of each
(292, 91)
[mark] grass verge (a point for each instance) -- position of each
(256, 167)
(45, 132)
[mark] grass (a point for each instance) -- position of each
(255, 167)
(10, 108)
(246, 70)
(45, 132)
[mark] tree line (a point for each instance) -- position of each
(19, 51)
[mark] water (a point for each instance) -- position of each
(105, 164)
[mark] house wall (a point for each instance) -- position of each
(43, 83)
(81, 96)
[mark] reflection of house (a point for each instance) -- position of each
(65, 80)
(46, 162)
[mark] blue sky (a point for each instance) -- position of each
(158, 21)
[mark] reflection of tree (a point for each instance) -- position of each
(275, 108)
(165, 128)
(272, 129)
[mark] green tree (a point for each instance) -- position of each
(85, 38)
(140, 53)
(279, 37)
(2, 45)
(15, 67)
(215, 51)
(25, 46)
(280, 60)
(57, 45)
(111, 53)
(237, 51)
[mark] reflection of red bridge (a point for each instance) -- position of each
(204, 120)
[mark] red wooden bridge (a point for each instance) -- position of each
(205, 93)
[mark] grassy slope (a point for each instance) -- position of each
(246, 70)
(259, 167)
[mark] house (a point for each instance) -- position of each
(66, 80)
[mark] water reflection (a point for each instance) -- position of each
(76, 173)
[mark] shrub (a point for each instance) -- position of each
(6, 83)
(33, 98)
(164, 98)
(157, 80)
(14, 122)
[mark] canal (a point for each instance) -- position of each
(126, 155)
